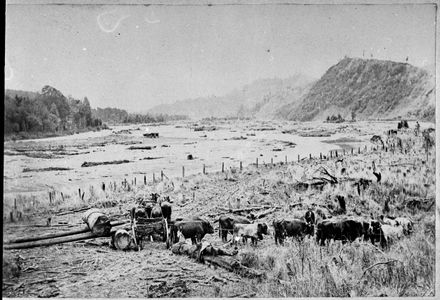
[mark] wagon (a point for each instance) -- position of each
(146, 229)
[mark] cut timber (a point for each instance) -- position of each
(121, 239)
(60, 234)
(49, 242)
(98, 222)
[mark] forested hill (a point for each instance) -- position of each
(368, 89)
(48, 111)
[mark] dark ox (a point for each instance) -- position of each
(166, 210)
(345, 230)
(226, 225)
(192, 229)
(294, 228)
(310, 217)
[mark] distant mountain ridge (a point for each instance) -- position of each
(261, 98)
(372, 89)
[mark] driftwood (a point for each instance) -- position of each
(151, 135)
(46, 169)
(141, 147)
(114, 162)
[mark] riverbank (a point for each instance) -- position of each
(295, 270)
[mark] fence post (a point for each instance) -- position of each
(298, 157)
(161, 175)
(183, 171)
(351, 151)
(320, 155)
(241, 166)
(359, 150)
(204, 169)
(15, 201)
(336, 152)
(154, 178)
(331, 154)
(145, 180)
(310, 155)
(135, 181)
(257, 162)
(223, 167)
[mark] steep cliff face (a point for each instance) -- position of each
(370, 88)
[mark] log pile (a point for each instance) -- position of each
(98, 225)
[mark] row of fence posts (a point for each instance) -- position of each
(333, 153)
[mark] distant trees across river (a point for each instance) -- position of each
(50, 113)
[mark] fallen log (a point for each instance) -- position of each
(114, 162)
(141, 147)
(206, 253)
(233, 265)
(268, 212)
(46, 169)
(73, 211)
(247, 209)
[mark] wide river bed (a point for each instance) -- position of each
(209, 148)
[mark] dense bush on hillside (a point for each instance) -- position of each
(118, 116)
(47, 111)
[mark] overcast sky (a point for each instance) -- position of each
(135, 57)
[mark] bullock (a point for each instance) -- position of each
(340, 229)
(309, 217)
(376, 233)
(406, 223)
(193, 229)
(253, 231)
(226, 225)
(391, 233)
(293, 228)
(388, 221)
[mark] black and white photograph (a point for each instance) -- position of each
(220, 149)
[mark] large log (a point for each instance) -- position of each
(60, 234)
(49, 242)
(121, 240)
(97, 221)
